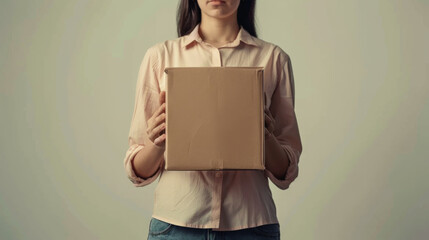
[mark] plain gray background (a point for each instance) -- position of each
(68, 73)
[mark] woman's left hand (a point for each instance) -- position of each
(269, 122)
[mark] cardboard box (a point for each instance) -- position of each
(214, 118)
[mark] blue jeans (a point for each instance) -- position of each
(160, 230)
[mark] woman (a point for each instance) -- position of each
(214, 204)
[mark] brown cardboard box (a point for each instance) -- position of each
(214, 118)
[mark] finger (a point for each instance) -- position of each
(160, 139)
(153, 121)
(157, 131)
(267, 110)
(160, 128)
(267, 120)
(160, 110)
(265, 106)
(162, 97)
(271, 128)
(269, 123)
(269, 116)
(160, 119)
(267, 133)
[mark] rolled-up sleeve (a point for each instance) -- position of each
(146, 103)
(286, 126)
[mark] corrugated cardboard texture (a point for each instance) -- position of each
(215, 118)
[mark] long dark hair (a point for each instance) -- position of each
(189, 15)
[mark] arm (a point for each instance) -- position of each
(284, 147)
(144, 160)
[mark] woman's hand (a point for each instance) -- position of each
(269, 119)
(156, 124)
(269, 122)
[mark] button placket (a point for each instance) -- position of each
(217, 198)
(218, 58)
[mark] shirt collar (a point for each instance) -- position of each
(242, 35)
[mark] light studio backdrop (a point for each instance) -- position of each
(68, 71)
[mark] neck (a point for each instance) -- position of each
(215, 30)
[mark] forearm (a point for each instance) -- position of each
(276, 159)
(146, 162)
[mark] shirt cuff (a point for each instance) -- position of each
(136, 180)
(291, 173)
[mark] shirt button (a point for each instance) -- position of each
(218, 174)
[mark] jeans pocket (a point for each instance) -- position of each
(158, 227)
(269, 230)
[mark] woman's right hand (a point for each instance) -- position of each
(156, 124)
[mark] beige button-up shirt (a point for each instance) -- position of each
(221, 200)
